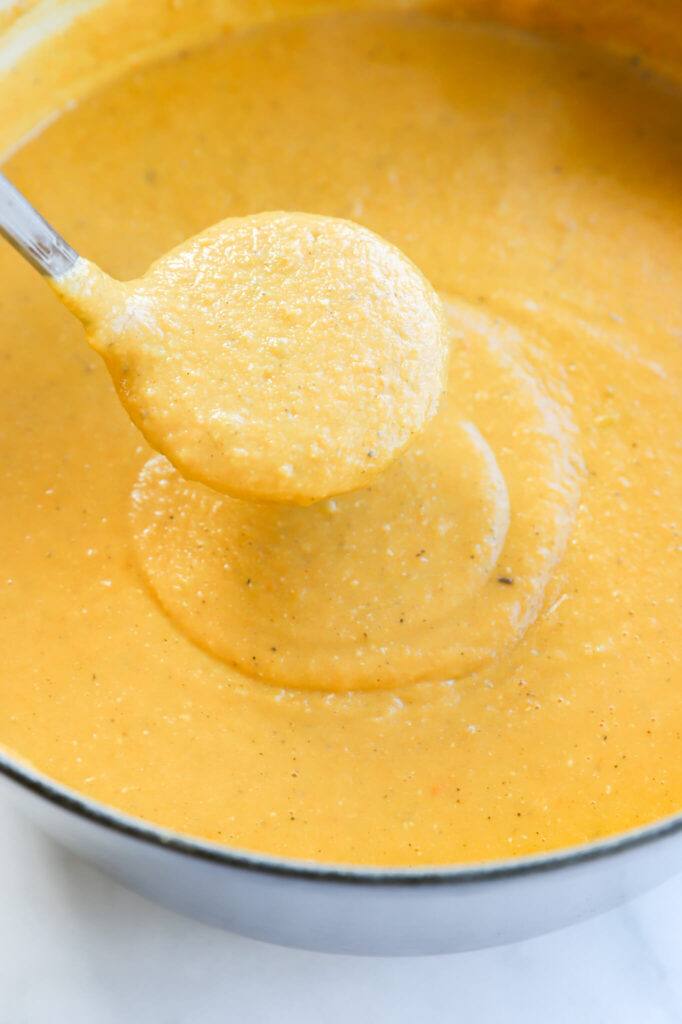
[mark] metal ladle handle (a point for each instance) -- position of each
(31, 235)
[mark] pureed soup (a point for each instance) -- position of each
(477, 656)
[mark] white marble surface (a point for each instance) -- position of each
(76, 948)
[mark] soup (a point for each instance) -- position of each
(475, 657)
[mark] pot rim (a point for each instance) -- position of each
(109, 817)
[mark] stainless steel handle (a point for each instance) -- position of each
(31, 235)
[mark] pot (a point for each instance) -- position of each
(323, 907)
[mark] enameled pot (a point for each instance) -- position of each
(318, 906)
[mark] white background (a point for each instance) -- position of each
(76, 948)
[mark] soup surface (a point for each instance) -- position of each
(478, 655)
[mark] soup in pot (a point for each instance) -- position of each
(474, 656)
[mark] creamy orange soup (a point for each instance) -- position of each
(281, 357)
(476, 656)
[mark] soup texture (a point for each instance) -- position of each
(477, 655)
(280, 357)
